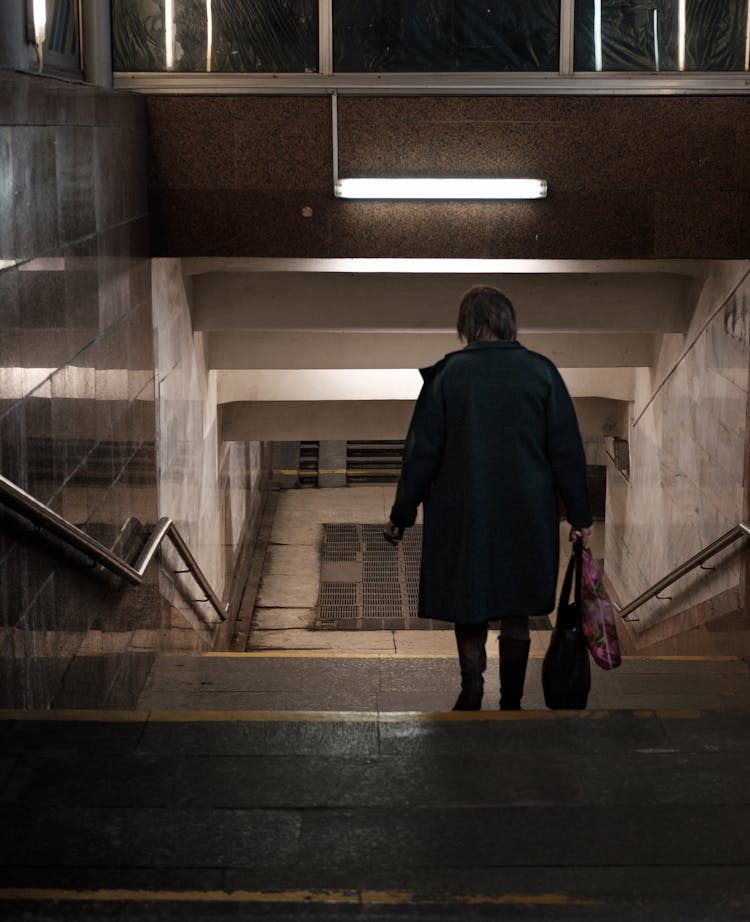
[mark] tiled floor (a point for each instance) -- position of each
(288, 593)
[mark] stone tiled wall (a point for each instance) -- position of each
(630, 177)
(688, 474)
(77, 419)
(211, 489)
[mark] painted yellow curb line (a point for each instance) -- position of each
(383, 654)
(368, 897)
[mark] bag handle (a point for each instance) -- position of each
(575, 568)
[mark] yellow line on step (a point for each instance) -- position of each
(365, 897)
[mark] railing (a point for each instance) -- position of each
(741, 530)
(39, 513)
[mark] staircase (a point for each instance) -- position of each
(308, 464)
(220, 799)
(374, 461)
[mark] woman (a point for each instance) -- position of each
(493, 439)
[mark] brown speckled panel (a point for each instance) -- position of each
(632, 177)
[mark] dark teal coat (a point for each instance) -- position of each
(494, 435)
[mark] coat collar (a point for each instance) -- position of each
(431, 371)
(490, 344)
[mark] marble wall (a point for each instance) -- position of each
(211, 489)
(77, 388)
(107, 411)
(688, 479)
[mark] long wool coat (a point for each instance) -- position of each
(494, 435)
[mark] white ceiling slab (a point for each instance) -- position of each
(612, 301)
(366, 419)
(350, 332)
(380, 349)
(199, 265)
(358, 384)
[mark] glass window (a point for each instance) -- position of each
(245, 36)
(661, 35)
(61, 48)
(445, 35)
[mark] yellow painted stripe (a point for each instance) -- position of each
(82, 715)
(292, 472)
(382, 654)
(367, 897)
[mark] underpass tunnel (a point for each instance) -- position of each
(622, 332)
(216, 697)
(188, 298)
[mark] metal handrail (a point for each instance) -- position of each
(31, 508)
(740, 530)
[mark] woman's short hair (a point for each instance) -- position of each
(485, 313)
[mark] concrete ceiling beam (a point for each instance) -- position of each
(367, 419)
(367, 384)
(616, 301)
(410, 349)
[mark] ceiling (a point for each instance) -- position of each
(331, 346)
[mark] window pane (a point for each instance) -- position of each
(446, 35)
(261, 36)
(61, 47)
(669, 35)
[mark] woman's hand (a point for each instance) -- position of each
(583, 533)
(393, 533)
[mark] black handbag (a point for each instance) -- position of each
(566, 672)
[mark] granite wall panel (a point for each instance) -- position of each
(232, 174)
(688, 475)
(77, 396)
(212, 490)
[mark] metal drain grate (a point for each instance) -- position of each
(368, 585)
(341, 542)
(338, 602)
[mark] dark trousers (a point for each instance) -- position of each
(471, 640)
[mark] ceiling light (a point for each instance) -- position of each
(443, 188)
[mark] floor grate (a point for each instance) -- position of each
(386, 594)
(368, 585)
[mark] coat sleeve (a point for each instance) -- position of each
(423, 451)
(565, 452)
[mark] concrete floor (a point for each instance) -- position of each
(281, 615)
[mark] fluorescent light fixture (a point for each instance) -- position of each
(425, 188)
(169, 33)
(681, 30)
(39, 8)
(209, 35)
(598, 35)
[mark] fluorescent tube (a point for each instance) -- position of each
(424, 188)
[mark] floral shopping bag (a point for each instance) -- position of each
(597, 616)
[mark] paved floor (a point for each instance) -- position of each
(320, 776)
(390, 682)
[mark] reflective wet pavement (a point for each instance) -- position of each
(534, 815)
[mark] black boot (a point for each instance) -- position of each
(514, 655)
(472, 658)
(470, 697)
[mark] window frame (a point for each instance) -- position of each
(565, 81)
